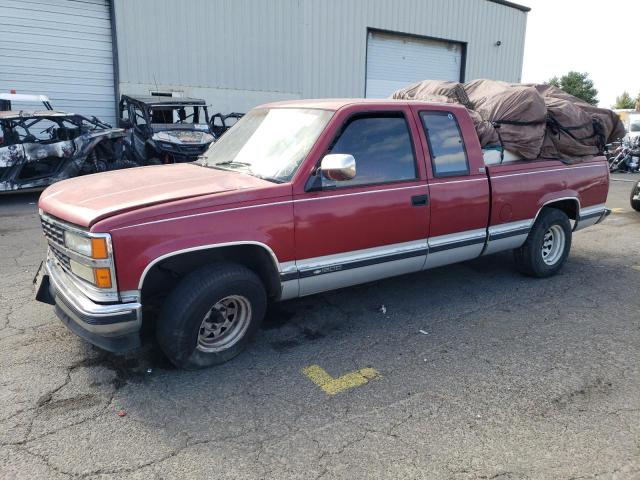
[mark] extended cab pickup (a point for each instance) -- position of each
(298, 198)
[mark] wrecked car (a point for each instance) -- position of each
(7, 98)
(41, 148)
(164, 130)
(220, 123)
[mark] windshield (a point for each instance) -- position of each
(268, 143)
(178, 115)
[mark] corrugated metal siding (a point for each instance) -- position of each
(395, 61)
(243, 52)
(227, 44)
(59, 48)
(332, 24)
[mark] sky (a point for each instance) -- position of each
(597, 37)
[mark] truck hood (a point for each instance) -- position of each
(85, 200)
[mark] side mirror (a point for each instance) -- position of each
(125, 123)
(338, 166)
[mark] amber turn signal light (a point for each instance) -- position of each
(99, 248)
(103, 277)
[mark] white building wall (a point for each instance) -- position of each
(240, 53)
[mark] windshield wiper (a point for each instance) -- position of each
(268, 179)
(232, 162)
(247, 172)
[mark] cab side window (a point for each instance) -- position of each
(382, 147)
(448, 155)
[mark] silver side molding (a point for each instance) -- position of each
(456, 247)
(330, 272)
(590, 216)
(507, 236)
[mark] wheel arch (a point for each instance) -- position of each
(166, 270)
(568, 205)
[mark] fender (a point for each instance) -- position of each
(559, 199)
(212, 246)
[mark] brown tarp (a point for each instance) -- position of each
(517, 111)
(529, 120)
(453, 91)
(576, 128)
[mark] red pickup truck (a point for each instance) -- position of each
(298, 198)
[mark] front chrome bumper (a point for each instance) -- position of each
(114, 327)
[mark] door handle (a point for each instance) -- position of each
(419, 200)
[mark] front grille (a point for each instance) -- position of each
(52, 231)
(191, 149)
(61, 257)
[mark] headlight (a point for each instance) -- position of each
(89, 247)
(77, 243)
(82, 271)
(93, 249)
(100, 277)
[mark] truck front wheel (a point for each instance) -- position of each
(547, 246)
(211, 315)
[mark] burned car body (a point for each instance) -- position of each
(220, 123)
(7, 98)
(164, 129)
(41, 148)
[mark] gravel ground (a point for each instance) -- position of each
(513, 378)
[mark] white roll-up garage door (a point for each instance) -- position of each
(62, 49)
(395, 61)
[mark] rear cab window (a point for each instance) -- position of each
(382, 146)
(446, 145)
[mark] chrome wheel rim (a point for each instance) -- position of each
(553, 244)
(224, 324)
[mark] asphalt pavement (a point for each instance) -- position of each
(470, 371)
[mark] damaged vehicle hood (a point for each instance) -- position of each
(183, 137)
(85, 200)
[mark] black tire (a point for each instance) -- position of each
(635, 204)
(529, 257)
(120, 164)
(154, 161)
(179, 325)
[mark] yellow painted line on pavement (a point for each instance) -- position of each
(332, 385)
(618, 210)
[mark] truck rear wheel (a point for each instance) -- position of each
(547, 246)
(635, 197)
(211, 315)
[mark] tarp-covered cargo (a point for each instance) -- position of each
(529, 120)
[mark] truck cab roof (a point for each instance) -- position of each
(338, 103)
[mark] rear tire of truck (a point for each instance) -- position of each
(211, 315)
(635, 192)
(547, 247)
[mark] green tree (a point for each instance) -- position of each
(577, 84)
(555, 81)
(624, 101)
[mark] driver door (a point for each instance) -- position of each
(374, 225)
